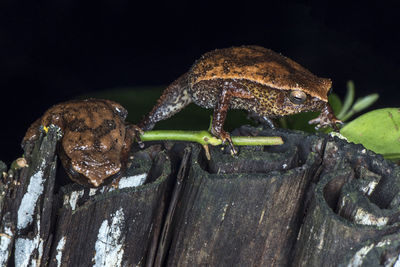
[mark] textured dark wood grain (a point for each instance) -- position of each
(314, 201)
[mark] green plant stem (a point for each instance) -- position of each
(205, 138)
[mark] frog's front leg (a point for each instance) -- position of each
(326, 118)
(263, 120)
(174, 98)
(229, 89)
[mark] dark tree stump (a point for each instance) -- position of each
(80, 226)
(27, 212)
(352, 204)
(108, 228)
(314, 201)
(243, 211)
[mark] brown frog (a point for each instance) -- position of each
(252, 78)
(96, 140)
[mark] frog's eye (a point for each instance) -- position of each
(297, 97)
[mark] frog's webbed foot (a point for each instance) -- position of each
(326, 118)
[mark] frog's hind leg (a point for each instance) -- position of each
(174, 98)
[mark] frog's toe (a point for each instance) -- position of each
(339, 122)
(325, 122)
(139, 141)
(226, 138)
(315, 121)
(335, 123)
(136, 132)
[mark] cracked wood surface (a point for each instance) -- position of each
(315, 201)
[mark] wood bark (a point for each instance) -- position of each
(314, 201)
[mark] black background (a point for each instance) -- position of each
(51, 51)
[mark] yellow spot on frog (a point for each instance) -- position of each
(46, 129)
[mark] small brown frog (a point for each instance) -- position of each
(252, 78)
(96, 139)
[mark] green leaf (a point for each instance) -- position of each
(361, 104)
(348, 100)
(378, 130)
(365, 102)
(335, 103)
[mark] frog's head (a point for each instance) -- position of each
(94, 145)
(294, 97)
(92, 165)
(307, 94)
(313, 97)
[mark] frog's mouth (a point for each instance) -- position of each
(91, 173)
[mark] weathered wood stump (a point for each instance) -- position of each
(314, 201)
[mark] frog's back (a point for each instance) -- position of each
(260, 65)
